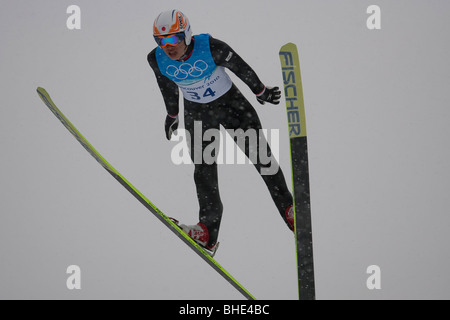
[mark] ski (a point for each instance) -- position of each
(295, 109)
(140, 197)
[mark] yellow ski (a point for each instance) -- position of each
(295, 108)
(139, 196)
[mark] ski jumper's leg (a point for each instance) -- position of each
(240, 114)
(198, 118)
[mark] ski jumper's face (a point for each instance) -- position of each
(175, 52)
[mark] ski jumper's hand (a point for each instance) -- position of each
(269, 94)
(171, 125)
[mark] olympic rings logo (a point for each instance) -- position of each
(186, 70)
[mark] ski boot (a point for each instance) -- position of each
(199, 233)
(290, 217)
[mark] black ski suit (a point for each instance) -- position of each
(233, 111)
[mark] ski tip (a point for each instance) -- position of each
(41, 90)
(289, 45)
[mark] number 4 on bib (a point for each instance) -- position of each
(209, 92)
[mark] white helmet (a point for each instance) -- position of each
(172, 21)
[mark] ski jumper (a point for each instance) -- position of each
(211, 97)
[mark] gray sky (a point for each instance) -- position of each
(377, 117)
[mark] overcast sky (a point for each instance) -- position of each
(377, 118)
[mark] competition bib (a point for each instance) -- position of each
(208, 89)
(199, 78)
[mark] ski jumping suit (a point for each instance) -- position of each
(212, 98)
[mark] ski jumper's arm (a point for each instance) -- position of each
(169, 89)
(225, 56)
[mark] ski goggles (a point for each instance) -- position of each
(171, 40)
